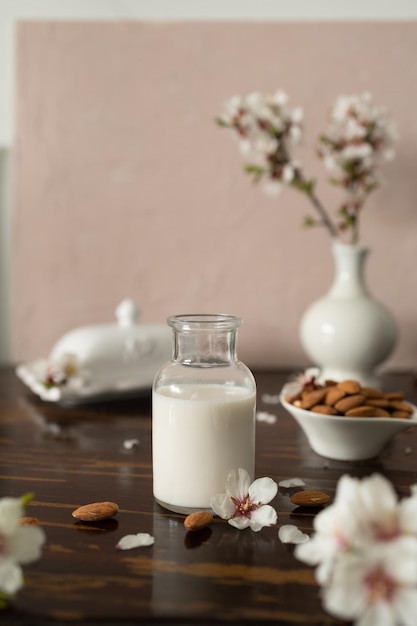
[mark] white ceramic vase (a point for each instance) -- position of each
(347, 333)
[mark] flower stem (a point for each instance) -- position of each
(308, 188)
(322, 212)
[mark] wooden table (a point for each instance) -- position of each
(73, 456)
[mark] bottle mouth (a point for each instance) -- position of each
(204, 321)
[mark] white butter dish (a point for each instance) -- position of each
(104, 361)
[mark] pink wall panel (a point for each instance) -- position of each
(124, 186)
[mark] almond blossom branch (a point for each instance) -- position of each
(359, 138)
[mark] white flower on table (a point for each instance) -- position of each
(377, 587)
(19, 544)
(245, 504)
(365, 550)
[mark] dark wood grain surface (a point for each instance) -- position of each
(72, 456)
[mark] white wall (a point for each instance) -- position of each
(165, 10)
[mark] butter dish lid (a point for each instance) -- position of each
(101, 361)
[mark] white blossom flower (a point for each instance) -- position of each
(62, 368)
(308, 378)
(305, 380)
(365, 549)
(244, 504)
(280, 97)
(297, 115)
(378, 587)
(385, 517)
(288, 173)
(19, 544)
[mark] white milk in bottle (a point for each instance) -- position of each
(203, 413)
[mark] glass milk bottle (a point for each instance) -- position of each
(203, 413)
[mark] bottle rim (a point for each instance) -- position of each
(204, 321)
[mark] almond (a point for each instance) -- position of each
(361, 411)
(380, 412)
(371, 392)
(333, 395)
(310, 498)
(313, 397)
(292, 399)
(96, 511)
(349, 402)
(382, 402)
(395, 395)
(401, 406)
(324, 409)
(350, 386)
(401, 414)
(198, 520)
(365, 410)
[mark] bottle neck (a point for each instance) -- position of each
(204, 341)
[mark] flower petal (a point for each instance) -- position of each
(239, 522)
(263, 490)
(237, 483)
(406, 606)
(11, 509)
(26, 544)
(291, 482)
(264, 416)
(291, 534)
(311, 552)
(11, 578)
(135, 541)
(264, 516)
(222, 505)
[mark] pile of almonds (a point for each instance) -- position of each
(351, 399)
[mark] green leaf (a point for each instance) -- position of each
(220, 122)
(307, 186)
(27, 498)
(309, 222)
(254, 169)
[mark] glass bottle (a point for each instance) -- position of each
(203, 413)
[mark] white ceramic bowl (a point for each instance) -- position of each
(347, 438)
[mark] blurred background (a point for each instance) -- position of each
(116, 182)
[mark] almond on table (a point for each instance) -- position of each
(310, 498)
(198, 520)
(96, 511)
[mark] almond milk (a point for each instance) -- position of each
(200, 432)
